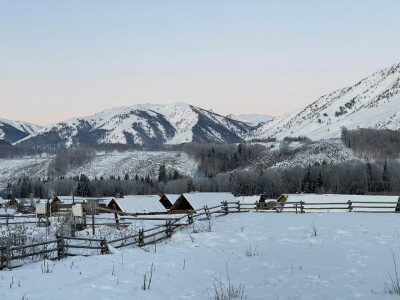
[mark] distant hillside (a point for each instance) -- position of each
(374, 102)
(13, 131)
(147, 124)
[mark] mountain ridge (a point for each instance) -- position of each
(143, 124)
(373, 102)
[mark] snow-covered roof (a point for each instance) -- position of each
(70, 200)
(105, 200)
(248, 199)
(27, 201)
(342, 199)
(199, 200)
(2, 201)
(140, 204)
(101, 200)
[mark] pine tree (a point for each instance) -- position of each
(162, 174)
(386, 178)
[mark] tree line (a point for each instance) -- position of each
(353, 177)
(373, 143)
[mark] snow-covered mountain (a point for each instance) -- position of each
(143, 124)
(374, 102)
(12, 131)
(252, 119)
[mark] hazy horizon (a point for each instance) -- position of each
(62, 60)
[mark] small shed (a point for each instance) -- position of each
(138, 204)
(196, 201)
(63, 204)
(167, 200)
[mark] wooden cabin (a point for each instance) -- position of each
(197, 201)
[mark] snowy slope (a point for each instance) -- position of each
(12, 131)
(103, 164)
(330, 151)
(252, 119)
(137, 162)
(374, 102)
(13, 169)
(274, 256)
(143, 124)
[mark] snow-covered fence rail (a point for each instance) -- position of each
(43, 250)
(64, 246)
(8, 219)
(349, 206)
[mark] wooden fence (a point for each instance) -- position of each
(305, 207)
(61, 246)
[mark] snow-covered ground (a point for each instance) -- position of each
(274, 256)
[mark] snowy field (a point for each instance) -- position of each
(273, 256)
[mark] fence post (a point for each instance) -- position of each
(397, 205)
(238, 206)
(295, 205)
(8, 254)
(141, 237)
(257, 206)
(350, 205)
(207, 211)
(115, 214)
(3, 258)
(190, 216)
(302, 207)
(225, 207)
(93, 231)
(103, 245)
(7, 220)
(60, 247)
(168, 227)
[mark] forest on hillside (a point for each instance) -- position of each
(219, 170)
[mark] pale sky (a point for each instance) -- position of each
(63, 59)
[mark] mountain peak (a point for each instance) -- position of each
(12, 131)
(373, 102)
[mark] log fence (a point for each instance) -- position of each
(62, 246)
